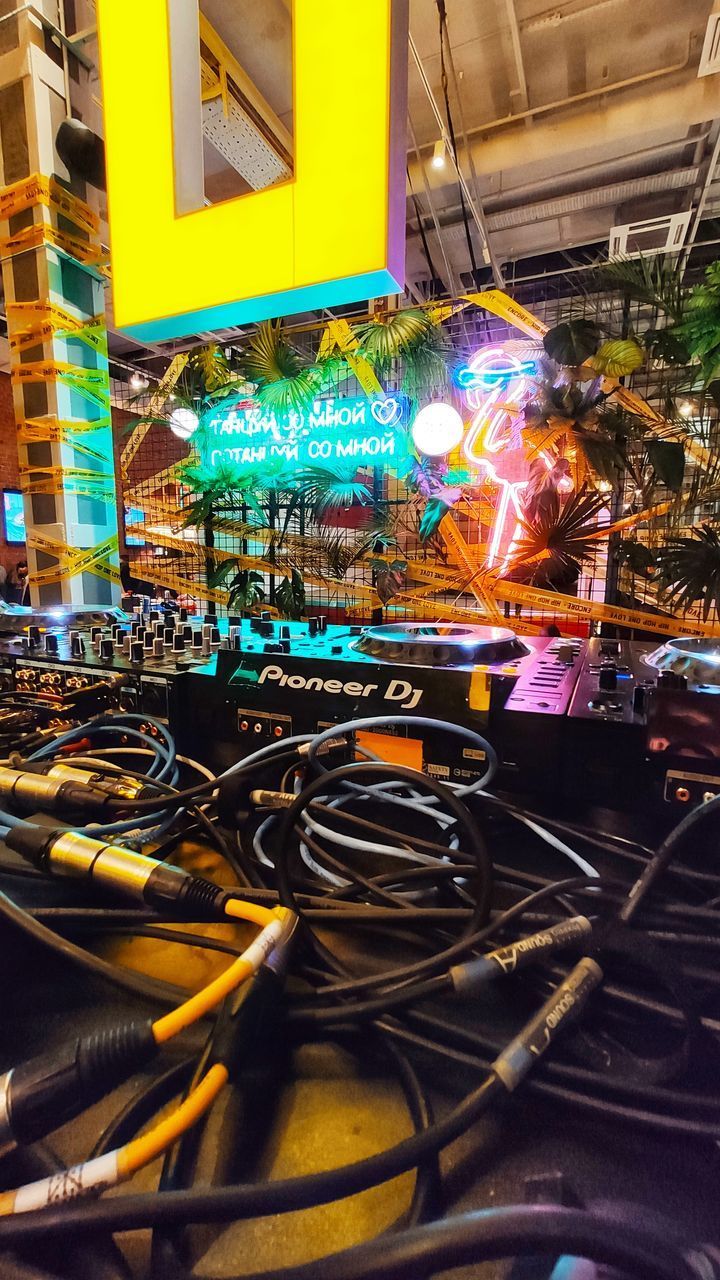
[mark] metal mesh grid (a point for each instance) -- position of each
(571, 292)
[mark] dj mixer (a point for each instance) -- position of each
(617, 723)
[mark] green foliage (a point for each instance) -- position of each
(247, 590)
(572, 342)
(413, 337)
(618, 357)
(666, 345)
(640, 559)
(285, 381)
(667, 459)
(689, 570)
(433, 515)
(290, 595)
(557, 542)
(323, 489)
(654, 280)
(700, 327)
(390, 577)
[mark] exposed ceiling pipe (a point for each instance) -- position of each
(710, 177)
(476, 216)
(433, 214)
(560, 103)
(522, 214)
(521, 93)
(494, 262)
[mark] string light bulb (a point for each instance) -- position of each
(138, 381)
(183, 422)
(437, 429)
(438, 160)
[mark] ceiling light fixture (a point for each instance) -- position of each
(138, 381)
(439, 154)
(686, 409)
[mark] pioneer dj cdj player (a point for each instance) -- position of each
(621, 724)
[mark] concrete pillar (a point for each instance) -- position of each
(54, 299)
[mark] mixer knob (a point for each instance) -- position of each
(136, 651)
(274, 647)
(313, 626)
(183, 615)
(322, 624)
(197, 641)
(33, 637)
(284, 632)
(77, 645)
(158, 647)
(234, 620)
(639, 699)
(266, 629)
(178, 644)
(168, 634)
(671, 680)
(566, 655)
(148, 641)
(215, 638)
(608, 676)
(284, 646)
(187, 632)
(356, 631)
(51, 643)
(107, 649)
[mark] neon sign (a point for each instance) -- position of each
(495, 384)
(366, 431)
(332, 234)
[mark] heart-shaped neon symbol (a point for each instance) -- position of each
(386, 412)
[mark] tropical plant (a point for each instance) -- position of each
(572, 342)
(290, 595)
(285, 380)
(246, 590)
(566, 419)
(689, 571)
(655, 280)
(618, 357)
(557, 541)
(700, 326)
(413, 337)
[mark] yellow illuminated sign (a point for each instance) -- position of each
(334, 233)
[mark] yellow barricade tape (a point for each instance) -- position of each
(92, 384)
(160, 395)
(185, 586)
(37, 189)
(593, 611)
(41, 234)
(55, 430)
(144, 489)
(73, 560)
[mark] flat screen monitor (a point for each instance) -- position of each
(14, 517)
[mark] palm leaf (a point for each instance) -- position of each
(558, 540)
(414, 338)
(286, 382)
(325, 488)
(655, 280)
(689, 570)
